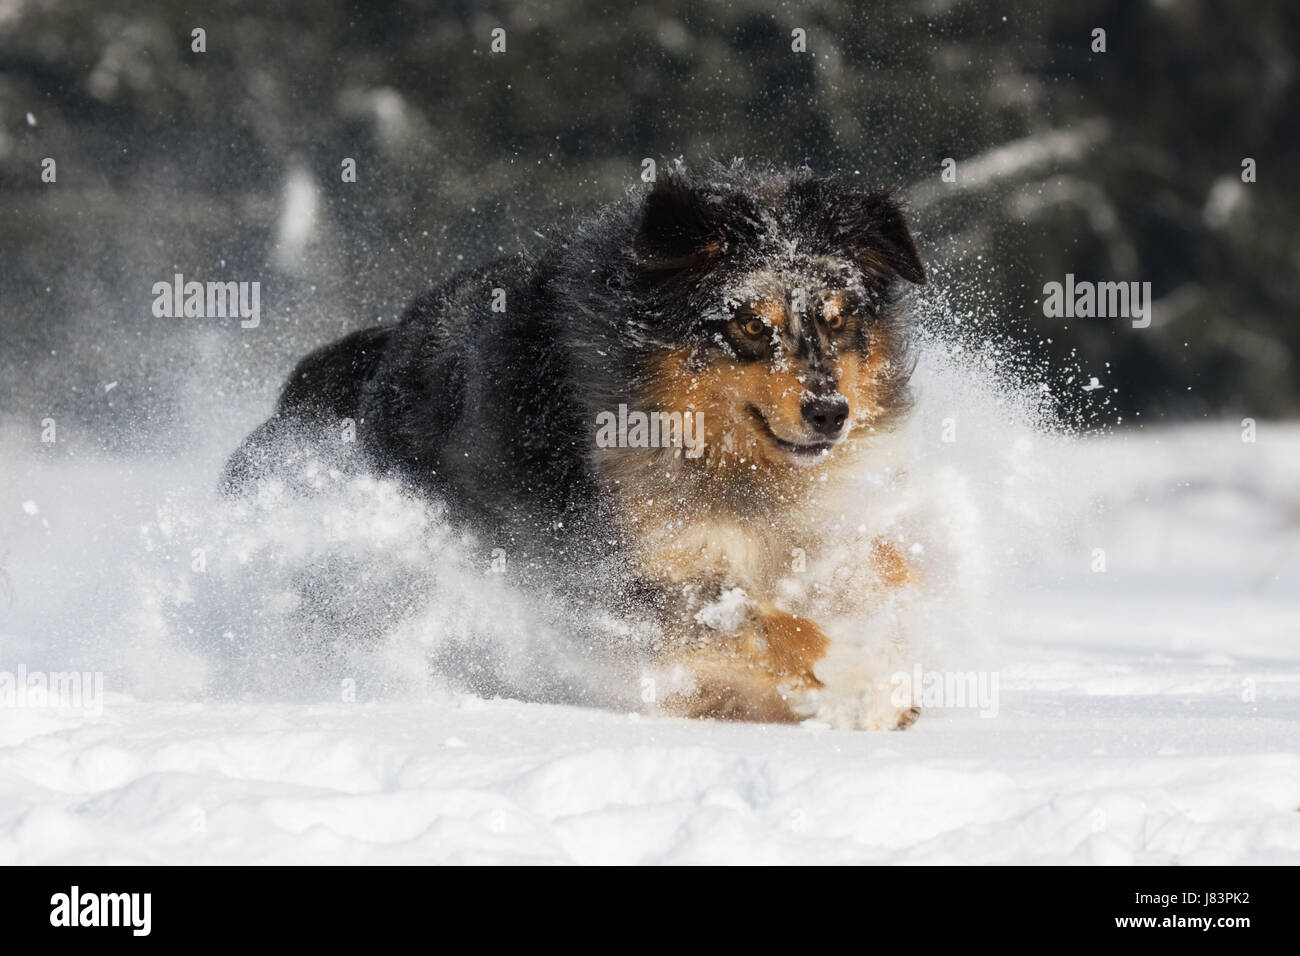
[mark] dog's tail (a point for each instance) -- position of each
(323, 392)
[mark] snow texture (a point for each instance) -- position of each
(1148, 713)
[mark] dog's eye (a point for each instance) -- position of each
(754, 327)
(835, 321)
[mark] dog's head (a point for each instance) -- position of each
(779, 298)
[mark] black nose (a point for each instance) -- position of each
(826, 414)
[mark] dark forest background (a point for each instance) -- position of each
(1123, 165)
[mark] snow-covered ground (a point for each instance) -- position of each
(1147, 713)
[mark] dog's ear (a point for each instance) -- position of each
(886, 240)
(681, 227)
(867, 226)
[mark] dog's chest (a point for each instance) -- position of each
(749, 553)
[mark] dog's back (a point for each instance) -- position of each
(458, 399)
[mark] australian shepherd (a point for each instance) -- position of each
(665, 400)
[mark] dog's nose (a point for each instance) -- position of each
(826, 414)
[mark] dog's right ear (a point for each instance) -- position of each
(681, 227)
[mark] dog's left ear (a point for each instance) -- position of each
(886, 240)
(868, 226)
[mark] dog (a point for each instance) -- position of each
(664, 397)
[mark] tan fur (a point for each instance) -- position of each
(755, 672)
(860, 381)
(832, 306)
(727, 519)
(890, 566)
(773, 310)
(724, 393)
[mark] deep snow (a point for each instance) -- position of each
(1149, 713)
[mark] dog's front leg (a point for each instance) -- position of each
(759, 668)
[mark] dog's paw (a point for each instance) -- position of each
(907, 718)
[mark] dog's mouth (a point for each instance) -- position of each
(802, 450)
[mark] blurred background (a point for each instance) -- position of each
(226, 165)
